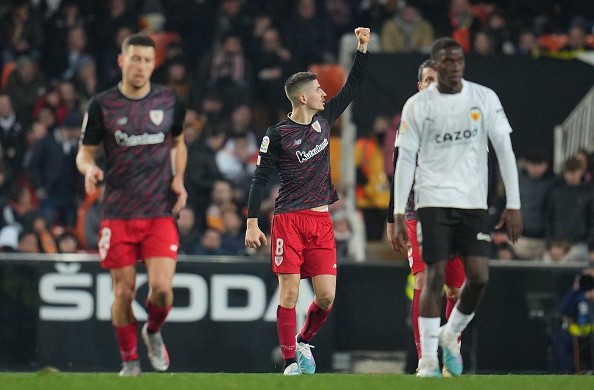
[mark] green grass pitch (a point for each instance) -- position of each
(215, 381)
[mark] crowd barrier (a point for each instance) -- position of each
(55, 311)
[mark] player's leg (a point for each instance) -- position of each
(286, 247)
(286, 320)
(159, 249)
(472, 239)
(160, 272)
(436, 229)
(454, 279)
(123, 320)
(417, 267)
(319, 263)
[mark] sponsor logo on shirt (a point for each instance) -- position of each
(316, 126)
(156, 116)
(123, 139)
(455, 136)
(304, 156)
(264, 144)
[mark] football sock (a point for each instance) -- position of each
(127, 341)
(457, 322)
(415, 320)
(429, 331)
(315, 319)
(156, 317)
(286, 324)
(450, 304)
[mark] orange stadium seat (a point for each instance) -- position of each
(553, 42)
(7, 69)
(330, 76)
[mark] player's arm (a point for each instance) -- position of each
(91, 135)
(499, 134)
(179, 156)
(339, 103)
(390, 216)
(267, 157)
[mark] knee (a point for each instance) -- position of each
(325, 300)
(124, 293)
(478, 282)
(160, 289)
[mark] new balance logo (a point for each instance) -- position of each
(483, 237)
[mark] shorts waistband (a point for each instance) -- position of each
(311, 213)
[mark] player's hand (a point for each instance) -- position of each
(93, 176)
(363, 35)
(512, 219)
(254, 237)
(177, 186)
(400, 235)
(390, 235)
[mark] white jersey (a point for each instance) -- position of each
(450, 133)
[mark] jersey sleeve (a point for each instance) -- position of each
(93, 130)
(409, 131)
(179, 115)
(339, 103)
(496, 118)
(267, 157)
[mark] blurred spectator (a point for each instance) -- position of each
(110, 17)
(73, 57)
(463, 23)
(500, 32)
(54, 173)
(586, 161)
(407, 32)
(504, 251)
(24, 86)
(16, 208)
(536, 180)
(342, 233)
(108, 70)
(202, 172)
(373, 187)
(528, 43)
(21, 32)
(210, 243)
(307, 34)
(232, 235)
(12, 139)
(221, 200)
(192, 126)
(46, 240)
(237, 163)
(572, 342)
(52, 99)
(576, 39)
(570, 210)
(341, 20)
(188, 234)
(85, 79)
(373, 13)
(71, 98)
(9, 239)
(28, 242)
(558, 250)
(36, 132)
(231, 18)
(177, 78)
(482, 43)
(67, 243)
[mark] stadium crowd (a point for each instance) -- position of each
(228, 60)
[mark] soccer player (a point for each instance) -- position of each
(302, 238)
(454, 269)
(448, 125)
(140, 126)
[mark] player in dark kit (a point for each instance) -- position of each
(140, 126)
(302, 238)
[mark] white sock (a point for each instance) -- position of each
(429, 332)
(458, 322)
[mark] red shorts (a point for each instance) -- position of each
(454, 271)
(303, 243)
(124, 242)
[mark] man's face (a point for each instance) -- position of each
(314, 95)
(449, 65)
(428, 76)
(137, 64)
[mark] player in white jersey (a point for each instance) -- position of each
(449, 125)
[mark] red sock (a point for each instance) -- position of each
(450, 304)
(286, 324)
(316, 317)
(127, 341)
(156, 316)
(415, 320)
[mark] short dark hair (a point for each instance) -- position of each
(572, 164)
(138, 39)
(424, 65)
(296, 81)
(443, 44)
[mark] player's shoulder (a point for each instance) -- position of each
(162, 90)
(109, 94)
(479, 88)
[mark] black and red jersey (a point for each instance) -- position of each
(301, 154)
(137, 137)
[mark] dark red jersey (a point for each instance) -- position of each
(137, 137)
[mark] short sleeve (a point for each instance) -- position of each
(409, 131)
(497, 120)
(179, 114)
(93, 130)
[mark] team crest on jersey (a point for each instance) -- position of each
(156, 116)
(475, 114)
(316, 126)
(264, 144)
(278, 260)
(403, 127)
